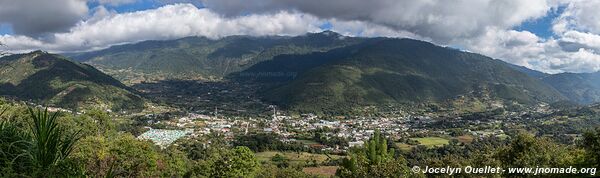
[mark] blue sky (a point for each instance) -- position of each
(140, 5)
(136, 6)
(541, 27)
(5, 29)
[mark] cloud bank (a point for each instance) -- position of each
(167, 22)
(440, 20)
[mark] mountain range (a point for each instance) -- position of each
(582, 88)
(382, 71)
(202, 58)
(57, 81)
(328, 71)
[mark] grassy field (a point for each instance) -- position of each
(431, 141)
(295, 158)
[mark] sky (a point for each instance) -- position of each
(552, 36)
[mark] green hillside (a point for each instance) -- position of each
(318, 71)
(583, 88)
(203, 58)
(383, 71)
(54, 80)
(530, 72)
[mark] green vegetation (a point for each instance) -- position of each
(51, 143)
(374, 160)
(582, 88)
(591, 144)
(431, 141)
(239, 162)
(41, 149)
(56, 81)
(404, 146)
(200, 57)
(344, 73)
(472, 110)
(394, 71)
(296, 158)
(63, 145)
(89, 145)
(528, 151)
(307, 142)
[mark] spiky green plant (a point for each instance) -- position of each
(51, 144)
(14, 144)
(3, 111)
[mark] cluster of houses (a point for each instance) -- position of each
(356, 130)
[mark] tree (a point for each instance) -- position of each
(591, 144)
(243, 163)
(122, 154)
(280, 161)
(525, 150)
(259, 142)
(374, 160)
(224, 162)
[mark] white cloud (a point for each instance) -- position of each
(440, 20)
(367, 29)
(513, 46)
(574, 48)
(167, 22)
(571, 51)
(577, 40)
(581, 16)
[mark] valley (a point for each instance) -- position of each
(204, 97)
(310, 107)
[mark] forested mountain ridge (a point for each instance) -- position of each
(375, 70)
(384, 70)
(54, 80)
(203, 58)
(582, 88)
